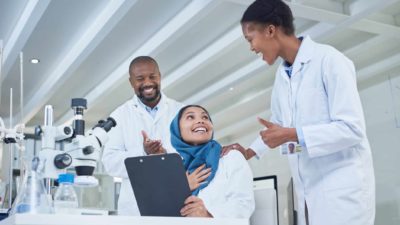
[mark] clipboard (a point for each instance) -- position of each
(159, 183)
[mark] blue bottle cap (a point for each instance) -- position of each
(66, 178)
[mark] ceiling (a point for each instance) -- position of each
(85, 48)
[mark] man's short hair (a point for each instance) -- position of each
(141, 59)
(267, 12)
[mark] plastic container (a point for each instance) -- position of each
(65, 198)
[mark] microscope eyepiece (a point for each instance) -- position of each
(79, 103)
(110, 123)
(106, 124)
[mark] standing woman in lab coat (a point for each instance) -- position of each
(228, 190)
(316, 107)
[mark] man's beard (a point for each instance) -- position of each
(144, 98)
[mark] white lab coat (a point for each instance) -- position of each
(334, 173)
(230, 193)
(126, 140)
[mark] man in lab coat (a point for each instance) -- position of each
(315, 106)
(142, 127)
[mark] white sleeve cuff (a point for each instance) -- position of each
(259, 147)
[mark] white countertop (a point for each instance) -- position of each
(64, 219)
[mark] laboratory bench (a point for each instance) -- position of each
(65, 219)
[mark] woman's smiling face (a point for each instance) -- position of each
(195, 126)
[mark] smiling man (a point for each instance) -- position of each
(145, 77)
(142, 127)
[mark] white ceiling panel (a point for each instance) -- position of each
(10, 11)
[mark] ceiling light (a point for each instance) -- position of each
(35, 61)
(231, 88)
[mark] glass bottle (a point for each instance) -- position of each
(65, 198)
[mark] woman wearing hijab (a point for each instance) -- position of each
(228, 190)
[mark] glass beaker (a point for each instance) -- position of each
(32, 197)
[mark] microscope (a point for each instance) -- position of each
(81, 151)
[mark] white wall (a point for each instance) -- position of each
(384, 138)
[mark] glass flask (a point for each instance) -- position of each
(32, 197)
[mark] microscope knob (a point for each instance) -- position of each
(38, 131)
(67, 130)
(88, 150)
(62, 161)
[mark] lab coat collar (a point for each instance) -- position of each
(303, 56)
(162, 105)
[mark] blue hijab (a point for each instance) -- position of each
(195, 155)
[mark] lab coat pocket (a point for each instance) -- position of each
(340, 171)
